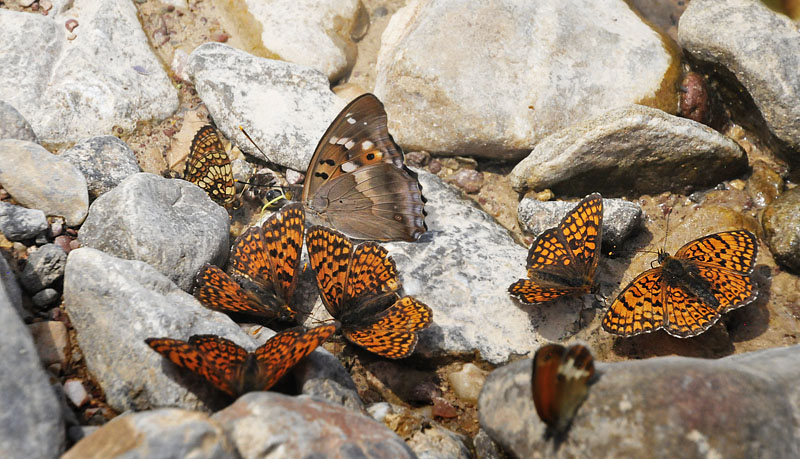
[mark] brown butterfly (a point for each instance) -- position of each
(357, 181)
(560, 383)
(264, 261)
(232, 369)
(563, 260)
(209, 166)
(358, 287)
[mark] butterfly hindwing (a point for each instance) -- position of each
(392, 332)
(209, 166)
(281, 352)
(559, 382)
(283, 235)
(217, 291)
(639, 308)
(329, 255)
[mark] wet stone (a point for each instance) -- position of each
(781, 222)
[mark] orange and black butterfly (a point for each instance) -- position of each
(357, 181)
(232, 369)
(563, 260)
(264, 262)
(359, 287)
(689, 291)
(560, 383)
(209, 166)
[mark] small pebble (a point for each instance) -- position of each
(63, 242)
(418, 158)
(467, 382)
(293, 177)
(169, 132)
(46, 5)
(44, 298)
(74, 244)
(443, 409)
(4, 194)
(26, 3)
(71, 36)
(51, 339)
(425, 392)
(220, 37)
(468, 180)
(75, 392)
(71, 24)
(435, 166)
(56, 227)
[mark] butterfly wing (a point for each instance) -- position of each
(249, 259)
(582, 231)
(189, 356)
(329, 254)
(734, 251)
(217, 291)
(639, 308)
(560, 382)
(283, 236)
(225, 360)
(357, 181)
(281, 352)
(209, 166)
(685, 314)
(392, 332)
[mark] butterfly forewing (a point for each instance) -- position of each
(563, 260)
(639, 308)
(209, 166)
(283, 235)
(225, 359)
(329, 255)
(392, 332)
(371, 271)
(559, 382)
(281, 352)
(357, 181)
(249, 259)
(731, 250)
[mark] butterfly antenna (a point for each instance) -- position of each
(264, 155)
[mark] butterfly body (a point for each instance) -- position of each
(559, 382)
(264, 262)
(209, 166)
(358, 286)
(357, 181)
(688, 292)
(563, 260)
(232, 369)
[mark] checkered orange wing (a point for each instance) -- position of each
(281, 352)
(392, 332)
(686, 315)
(329, 254)
(372, 271)
(214, 368)
(283, 237)
(639, 308)
(209, 166)
(217, 291)
(249, 259)
(226, 360)
(563, 260)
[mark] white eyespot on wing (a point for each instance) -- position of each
(342, 140)
(349, 167)
(351, 120)
(367, 145)
(333, 140)
(571, 371)
(349, 145)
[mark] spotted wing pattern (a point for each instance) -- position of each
(232, 369)
(688, 292)
(209, 166)
(559, 382)
(563, 260)
(264, 260)
(358, 287)
(357, 182)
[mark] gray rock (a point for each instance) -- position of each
(44, 266)
(678, 406)
(781, 223)
(51, 339)
(284, 107)
(485, 447)
(461, 268)
(760, 48)
(309, 33)
(262, 423)
(75, 391)
(38, 179)
(435, 442)
(45, 297)
(13, 125)
(452, 84)
(632, 149)
(73, 89)
(18, 223)
(114, 305)
(171, 224)
(12, 288)
(620, 218)
(105, 161)
(164, 433)
(31, 414)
